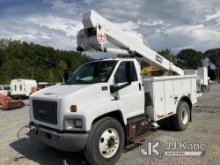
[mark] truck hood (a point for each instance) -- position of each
(60, 90)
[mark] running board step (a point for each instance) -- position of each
(138, 139)
(154, 125)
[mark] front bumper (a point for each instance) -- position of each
(73, 142)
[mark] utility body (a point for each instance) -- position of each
(106, 105)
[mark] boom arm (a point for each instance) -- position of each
(97, 30)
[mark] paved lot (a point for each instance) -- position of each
(205, 128)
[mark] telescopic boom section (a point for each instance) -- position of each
(97, 31)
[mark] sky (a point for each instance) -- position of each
(173, 24)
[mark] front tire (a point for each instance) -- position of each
(105, 143)
(180, 120)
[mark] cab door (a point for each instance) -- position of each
(131, 95)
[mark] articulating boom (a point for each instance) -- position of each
(97, 31)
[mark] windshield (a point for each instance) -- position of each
(94, 72)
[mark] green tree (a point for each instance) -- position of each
(28, 60)
(168, 55)
(50, 78)
(61, 66)
(189, 58)
(214, 56)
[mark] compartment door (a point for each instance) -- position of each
(169, 97)
(159, 100)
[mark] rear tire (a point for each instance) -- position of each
(105, 143)
(180, 120)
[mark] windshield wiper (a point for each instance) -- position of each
(77, 82)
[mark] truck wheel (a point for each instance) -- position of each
(180, 120)
(203, 88)
(105, 143)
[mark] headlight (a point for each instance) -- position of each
(73, 123)
(78, 123)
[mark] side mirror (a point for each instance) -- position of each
(127, 77)
(113, 88)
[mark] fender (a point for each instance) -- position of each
(95, 114)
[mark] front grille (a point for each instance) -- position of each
(45, 111)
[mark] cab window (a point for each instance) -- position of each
(120, 75)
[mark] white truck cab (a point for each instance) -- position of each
(89, 91)
(106, 105)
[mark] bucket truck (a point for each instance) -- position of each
(106, 106)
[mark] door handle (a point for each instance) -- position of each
(139, 85)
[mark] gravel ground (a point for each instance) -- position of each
(205, 128)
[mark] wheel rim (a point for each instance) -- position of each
(184, 115)
(109, 143)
